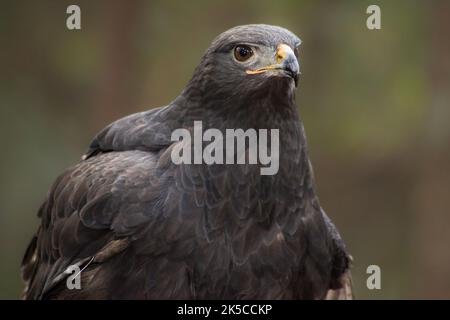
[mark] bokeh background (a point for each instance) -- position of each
(375, 106)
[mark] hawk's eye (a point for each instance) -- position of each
(242, 53)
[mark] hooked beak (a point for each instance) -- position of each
(286, 62)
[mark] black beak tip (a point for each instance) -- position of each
(292, 69)
(293, 74)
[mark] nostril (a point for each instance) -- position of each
(280, 57)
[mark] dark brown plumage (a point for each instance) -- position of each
(143, 227)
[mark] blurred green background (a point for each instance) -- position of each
(375, 106)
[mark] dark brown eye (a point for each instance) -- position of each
(242, 53)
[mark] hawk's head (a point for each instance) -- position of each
(249, 59)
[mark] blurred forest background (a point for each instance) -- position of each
(375, 106)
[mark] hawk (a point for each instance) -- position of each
(139, 226)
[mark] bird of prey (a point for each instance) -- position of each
(139, 226)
